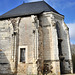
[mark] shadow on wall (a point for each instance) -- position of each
(5, 68)
(64, 49)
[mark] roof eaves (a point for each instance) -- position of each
(8, 17)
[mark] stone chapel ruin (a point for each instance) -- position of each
(34, 40)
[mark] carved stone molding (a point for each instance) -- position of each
(35, 21)
(15, 23)
(53, 22)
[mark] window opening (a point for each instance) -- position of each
(22, 55)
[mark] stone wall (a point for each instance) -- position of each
(73, 56)
(50, 44)
(38, 35)
(51, 51)
(40, 62)
(65, 46)
(14, 34)
(5, 46)
(27, 37)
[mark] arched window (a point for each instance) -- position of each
(59, 38)
(58, 30)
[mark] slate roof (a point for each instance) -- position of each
(28, 9)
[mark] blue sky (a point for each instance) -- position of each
(65, 7)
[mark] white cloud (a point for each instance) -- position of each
(72, 31)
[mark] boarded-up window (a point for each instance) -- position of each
(22, 54)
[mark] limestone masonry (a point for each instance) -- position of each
(35, 44)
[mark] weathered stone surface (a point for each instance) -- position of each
(38, 35)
